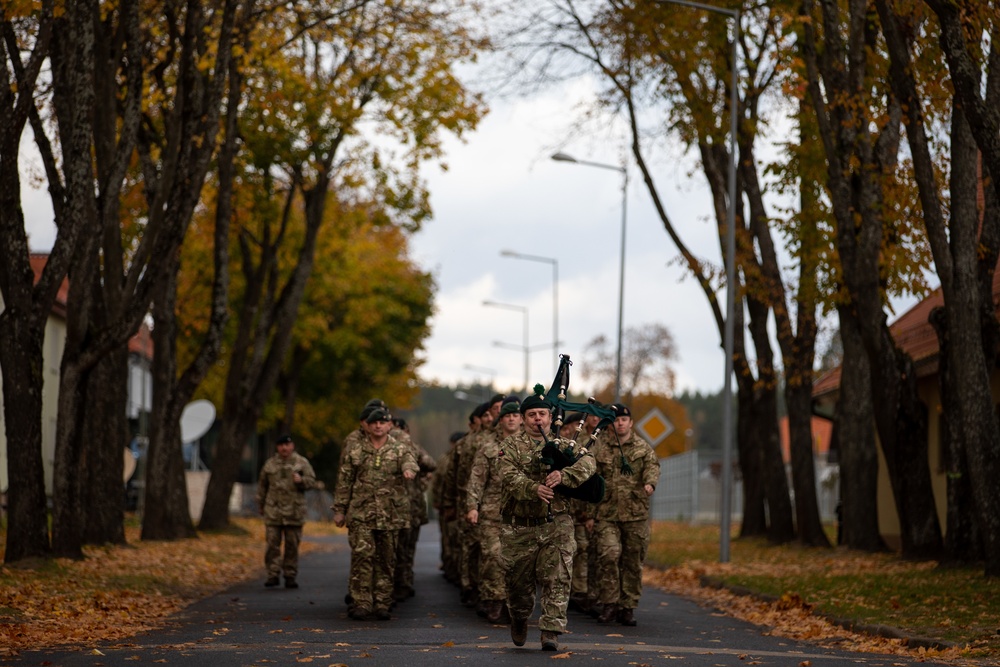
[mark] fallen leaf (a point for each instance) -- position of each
(341, 644)
(448, 644)
(805, 663)
(306, 659)
(96, 652)
(437, 625)
(562, 656)
(615, 634)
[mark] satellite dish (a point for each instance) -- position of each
(196, 419)
(130, 464)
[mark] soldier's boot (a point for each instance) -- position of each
(607, 614)
(291, 583)
(550, 640)
(382, 614)
(576, 601)
(348, 599)
(272, 582)
(482, 608)
(519, 631)
(359, 613)
(494, 610)
(626, 617)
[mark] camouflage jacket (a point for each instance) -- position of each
(483, 492)
(625, 498)
(371, 488)
(280, 499)
(418, 487)
(522, 470)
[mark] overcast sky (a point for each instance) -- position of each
(502, 191)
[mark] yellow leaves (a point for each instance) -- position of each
(448, 644)
(562, 656)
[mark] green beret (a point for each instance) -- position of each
(511, 404)
(536, 400)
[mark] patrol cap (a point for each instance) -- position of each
(378, 415)
(536, 400)
(510, 404)
(480, 409)
(497, 398)
(574, 417)
(621, 410)
(282, 439)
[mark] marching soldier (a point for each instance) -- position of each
(631, 471)
(370, 484)
(483, 510)
(537, 534)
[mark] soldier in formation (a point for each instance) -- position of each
(370, 483)
(483, 510)
(537, 535)
(631, 471)
(281, 489)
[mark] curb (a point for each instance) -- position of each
(875, 630)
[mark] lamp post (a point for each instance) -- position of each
(728, 334)
(555, 295)
(524, 311)
(563, 157)
(479, 369)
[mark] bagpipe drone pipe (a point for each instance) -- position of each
(592, 490)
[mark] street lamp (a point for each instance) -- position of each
(555, 294)
(563, 157)
(524, 311)
(728, 334)
(479, 369)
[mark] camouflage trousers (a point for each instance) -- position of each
(273, 560)
(539, 556)
(621, 549)
(469, 560)
(580, 558)
(491, 567)
(406, 549)
(450, 550)
(373, 561)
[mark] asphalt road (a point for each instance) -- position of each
(252, 625)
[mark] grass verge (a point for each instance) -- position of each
(918, 606)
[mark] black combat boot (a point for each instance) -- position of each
(519, 631)
(607, 614)
(625, 617)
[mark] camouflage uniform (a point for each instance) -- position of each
(406, 545)
(622, 528)
(446, 520)
(584, 571)
(469, 533)
(372, 495)
(484, 495)
(537, 537)
(283, 504)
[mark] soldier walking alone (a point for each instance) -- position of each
(281, 490)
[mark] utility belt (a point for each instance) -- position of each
(524, 521)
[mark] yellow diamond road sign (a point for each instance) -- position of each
(654, 427)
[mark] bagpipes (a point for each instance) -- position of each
(592, 490)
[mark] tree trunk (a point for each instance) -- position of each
(963, 540)
(166, 514)
(781, 527)
(751, 461)
(104, 434)
(798, 399)
(856, 442)
(236, 432)
(21, 359)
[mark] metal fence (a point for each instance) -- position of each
(690, 489)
